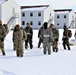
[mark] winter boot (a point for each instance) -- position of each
(3, 53)
(56, 49)
(44, 51)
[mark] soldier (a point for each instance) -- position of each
(18, 40)
(56, 37)
(47, 37)
(2, 36)
(29, 32)
(24, 38)
(65, 38)
(39, 36)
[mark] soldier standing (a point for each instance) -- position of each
(24, 37)
(39, 36)
(47, 37)
(18, 40)
(65, 38)
(29, 32)
(2, 36)
(56, 37)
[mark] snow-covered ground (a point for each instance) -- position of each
(35, 62)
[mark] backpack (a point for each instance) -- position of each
(5, 26)
(69, 33)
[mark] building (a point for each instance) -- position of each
(64, 17)
(9, 13)
(36, 15)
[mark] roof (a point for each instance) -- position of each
(63, 10)
(34, 8)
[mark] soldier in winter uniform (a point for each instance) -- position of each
(65, 38)
(29, 32)
(39, 36)
(24, 38)
(18, 39)
(2, 36)
(56, 37)
(47, 37)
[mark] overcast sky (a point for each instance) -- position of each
(55, 4)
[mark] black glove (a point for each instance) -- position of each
(2, 39)
(56, 39)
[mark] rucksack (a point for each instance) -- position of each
(69, 33)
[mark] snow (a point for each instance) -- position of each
(62, 12)
(33, 9)
(35, 62)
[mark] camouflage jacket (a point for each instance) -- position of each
(55, 33)
(47, 35)
(2, 32)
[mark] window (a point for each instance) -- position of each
(31, 14)
(39, 22)
(57, 16)
(64, 16)
(23, 22)
(31, 22)
(23, 14)
(39, 13)
(57, 24)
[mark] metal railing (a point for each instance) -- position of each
(10, 24)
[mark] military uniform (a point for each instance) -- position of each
(47, 37)
(55, 42)
(29, 33)
(24, 38)
(18, 41)
(56, 37)
(65, 38)
(6, 28)
(2, 36)
(39, 36)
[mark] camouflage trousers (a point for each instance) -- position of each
(55, 46)
(47, 47)
(18, 46)
(66, 43)
(2, 48)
